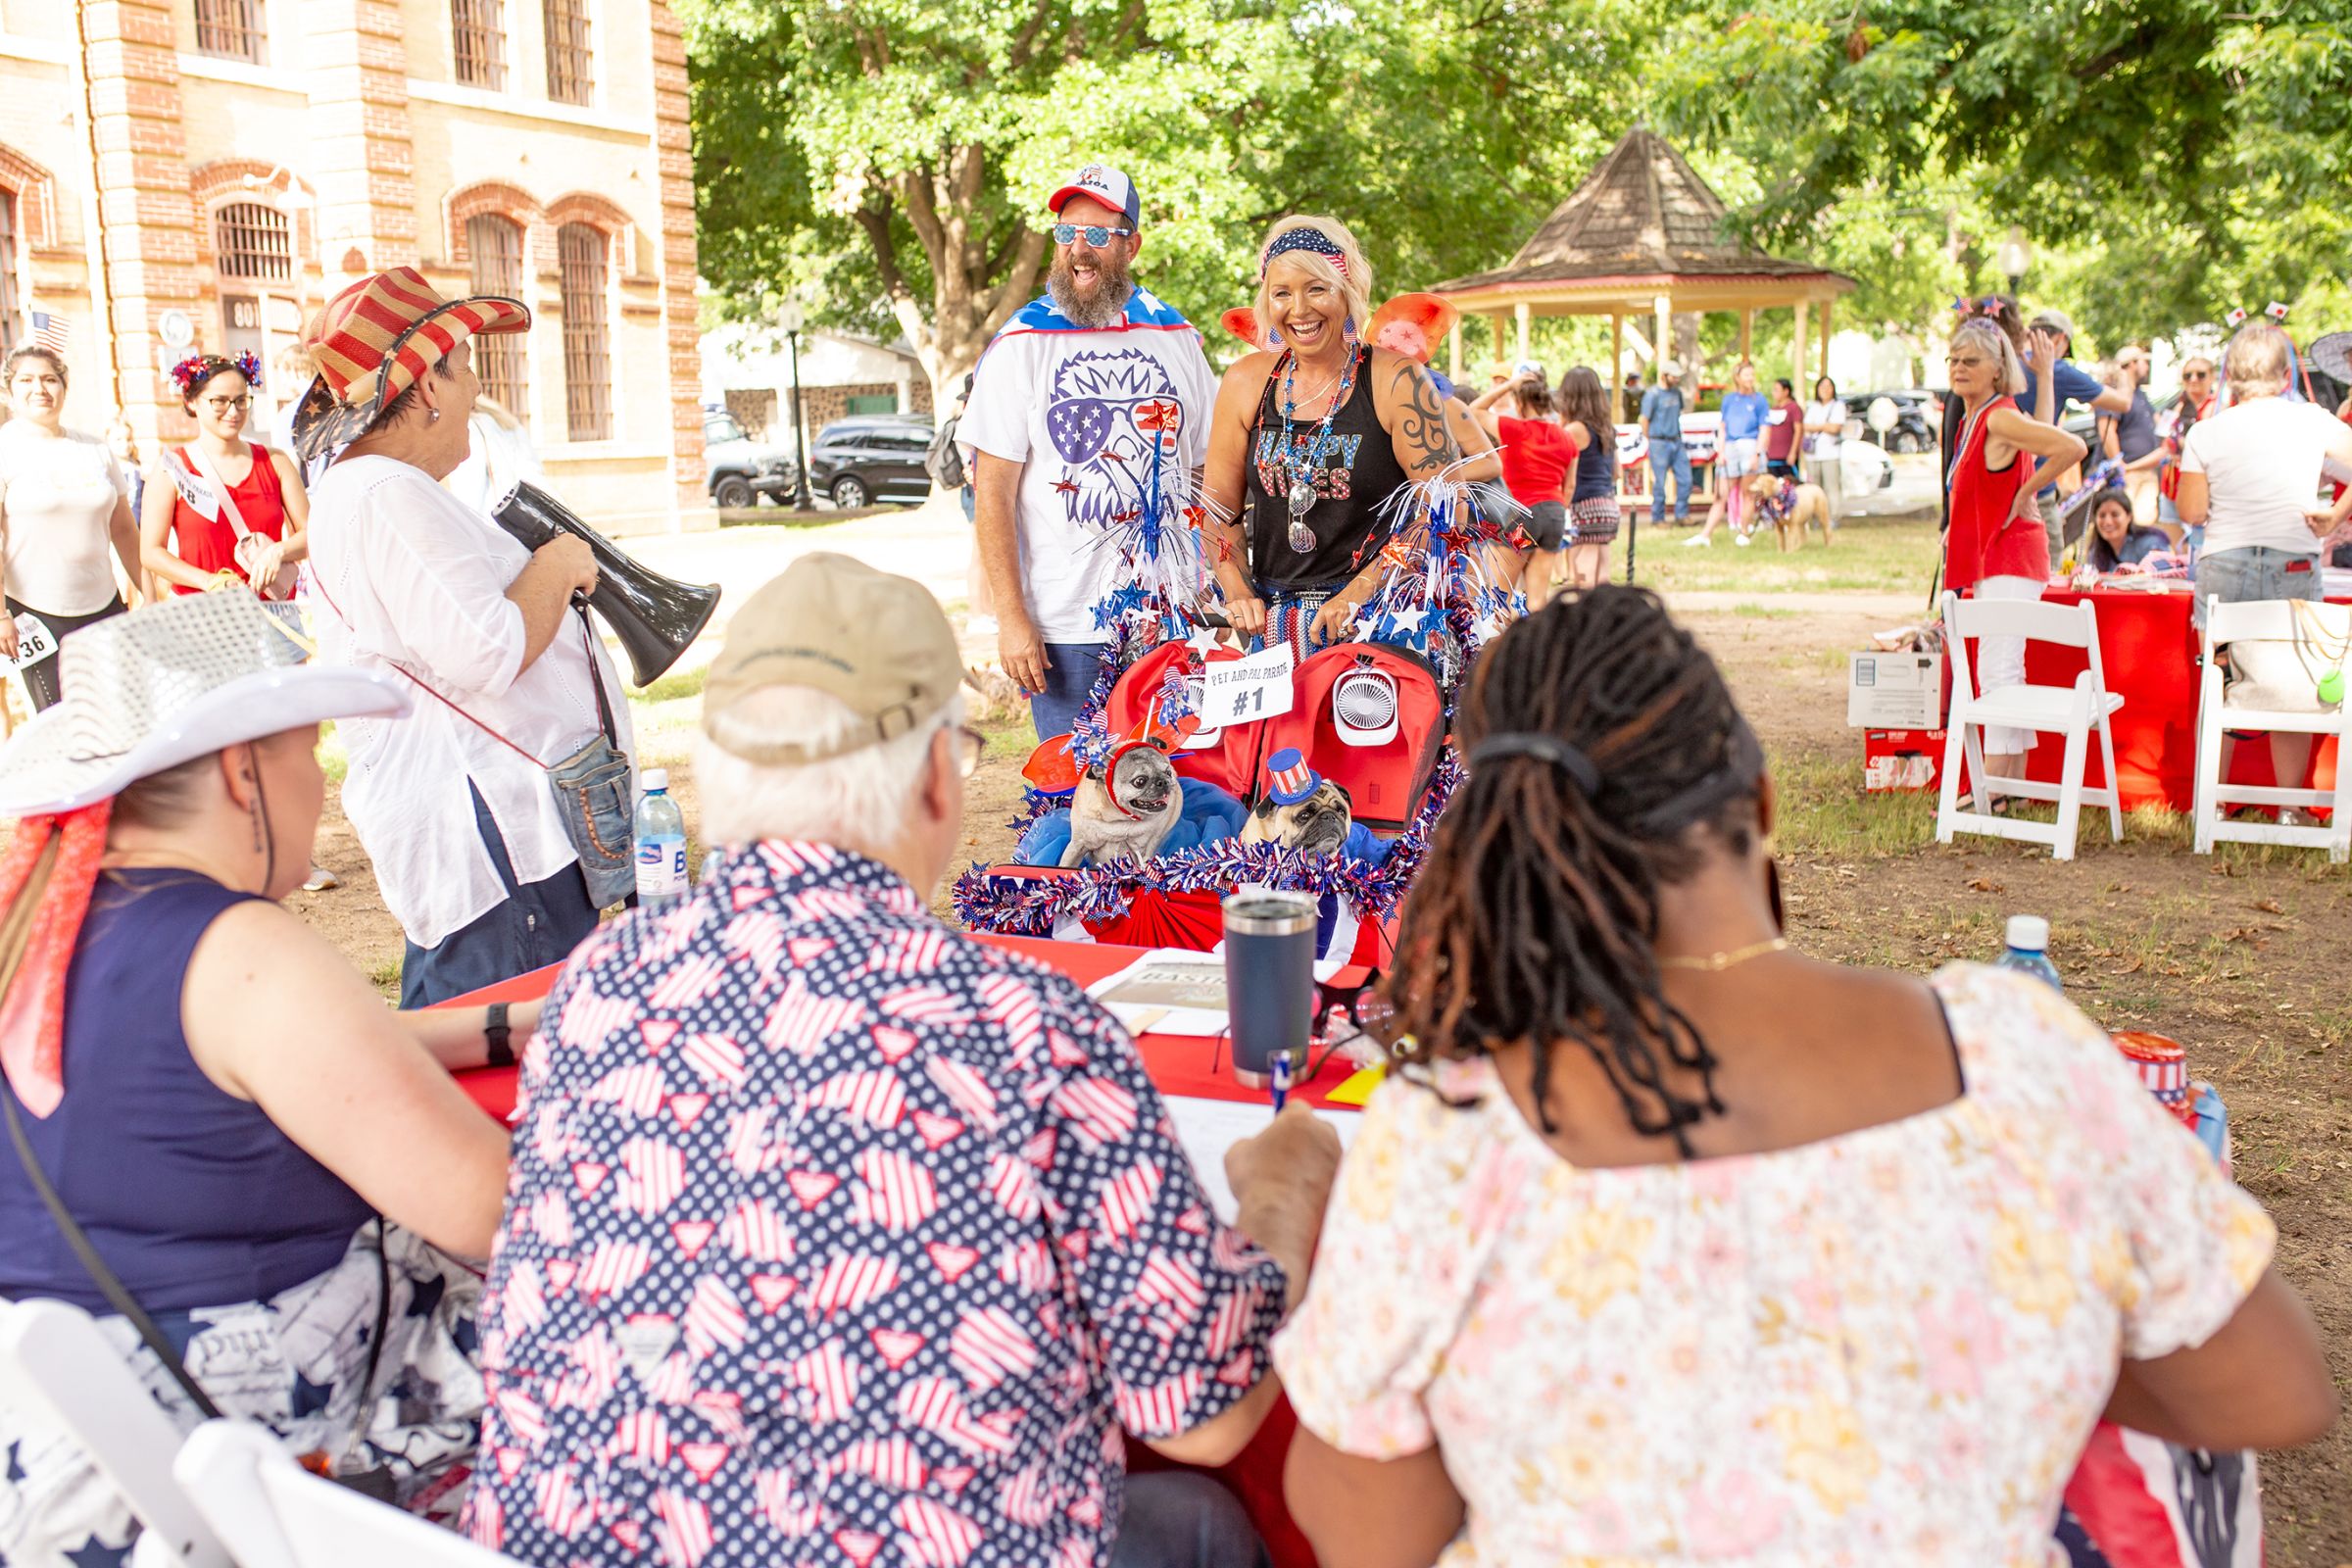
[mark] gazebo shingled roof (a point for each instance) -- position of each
(1643, 235)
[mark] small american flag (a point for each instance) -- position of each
(50, 331)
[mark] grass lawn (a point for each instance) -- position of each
(1872, 555)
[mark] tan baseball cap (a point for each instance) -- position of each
(831, 622)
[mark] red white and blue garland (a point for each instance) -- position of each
(1032, 905)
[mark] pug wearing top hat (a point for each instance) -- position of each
(1301, 809)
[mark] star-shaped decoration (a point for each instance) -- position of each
(94, 1553)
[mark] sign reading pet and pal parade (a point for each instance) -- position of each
(1238, 690)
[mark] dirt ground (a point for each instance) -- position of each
(2239, 955)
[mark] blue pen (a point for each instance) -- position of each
(1281, 1079)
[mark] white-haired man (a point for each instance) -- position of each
(1088, 410)
(828, 1224)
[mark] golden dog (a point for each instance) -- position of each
(1791, 510)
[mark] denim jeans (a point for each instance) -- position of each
(1665, 458)
(1070, 671)
(2255, 571)
(534, 927)
(1177, 1519)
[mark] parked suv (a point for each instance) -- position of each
(872, 457)
(740, 470)
(1918, 418)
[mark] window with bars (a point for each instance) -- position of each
(494, 245)
(571, 69)
(251, 241)
(11, 328)
(231, 29)
(478, 41)
(587, 352)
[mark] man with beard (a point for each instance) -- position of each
(1086, 424)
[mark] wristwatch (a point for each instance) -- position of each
(498, 1032)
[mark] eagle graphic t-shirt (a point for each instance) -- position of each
(1104, 422)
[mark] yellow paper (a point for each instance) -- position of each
(1359, 1088)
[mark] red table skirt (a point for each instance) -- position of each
(2148, 654)
(1178, 1065)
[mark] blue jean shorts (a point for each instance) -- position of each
(2257, 571)
(1741, 458)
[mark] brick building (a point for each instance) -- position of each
(179, 175)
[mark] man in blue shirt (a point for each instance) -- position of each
(1662, 428)
(2049, 338)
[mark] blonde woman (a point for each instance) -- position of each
(1314, 432)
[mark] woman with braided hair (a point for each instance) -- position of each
(1666, 1244)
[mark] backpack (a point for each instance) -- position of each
(943, 462)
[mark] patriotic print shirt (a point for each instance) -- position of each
(837, 1239)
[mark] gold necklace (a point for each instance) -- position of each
(1717, 962)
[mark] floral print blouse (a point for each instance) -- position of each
(1885, 1347)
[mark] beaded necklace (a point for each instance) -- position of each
(1300, 462)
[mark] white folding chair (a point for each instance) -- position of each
(2269, 620)
(52, 1356)
(274, 1514)
(2074, 711)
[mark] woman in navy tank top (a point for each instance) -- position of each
(1314, 434)
(261, 1155)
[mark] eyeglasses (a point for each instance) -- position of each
(224, 405)
(970, 744)
(1096, 234)
(2196, 375)
(1965, 361)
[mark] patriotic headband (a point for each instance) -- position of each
(2274, 311)
(1990, 305)
(1304, 238)
(197, 368)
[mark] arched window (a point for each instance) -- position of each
(587, 350)
(494, 245)
(231, 29)
(251, 241)
(478, 36)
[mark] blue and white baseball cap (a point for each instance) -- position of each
(1105, 184)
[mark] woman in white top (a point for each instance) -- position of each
(2251, 476)
(63, 501)
(1825, 430)
(1666, 1244)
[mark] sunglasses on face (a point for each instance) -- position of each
(1096, 234)
(2196, 375)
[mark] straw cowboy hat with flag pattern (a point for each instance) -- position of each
(375, 340)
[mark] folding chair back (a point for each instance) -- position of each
(2277, 646)
(274, 1514)
(53, 1355)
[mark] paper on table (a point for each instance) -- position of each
(1169, 991)
(1206, 1128)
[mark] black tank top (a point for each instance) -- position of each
(1353, 473)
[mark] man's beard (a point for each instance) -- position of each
(1112, 288)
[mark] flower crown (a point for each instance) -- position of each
(2274, 311)
(197, 368)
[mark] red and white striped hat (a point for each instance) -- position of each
(1287, 777)
(375, 340)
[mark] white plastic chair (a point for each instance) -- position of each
(52, 1356)
(2267, 621)
(2074, 711)
(274, 1514)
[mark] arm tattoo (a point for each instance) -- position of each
(1421, 423)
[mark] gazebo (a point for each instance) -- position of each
(1643, 237)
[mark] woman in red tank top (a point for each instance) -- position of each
(1996, 546)
(188, 537)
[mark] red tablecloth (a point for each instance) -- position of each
(1178, 1065)
(2148, 654)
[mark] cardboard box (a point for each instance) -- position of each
(1909, 760)
(1895, 691)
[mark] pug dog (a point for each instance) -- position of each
(1128, 811)
(1318, 823)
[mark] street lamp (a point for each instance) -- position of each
(2014, 258)
(791, 317)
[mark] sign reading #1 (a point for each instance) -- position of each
(1241, 690)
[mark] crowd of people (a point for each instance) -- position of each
(823, 1229)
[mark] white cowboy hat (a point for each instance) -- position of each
(168, 684)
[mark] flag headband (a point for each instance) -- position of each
(1306, 237)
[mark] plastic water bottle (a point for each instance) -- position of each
(661, 830)
(2028, 950)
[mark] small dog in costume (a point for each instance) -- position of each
(1790, 507)
(1301, 809)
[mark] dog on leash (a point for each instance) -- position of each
(1791, 508)
(1125, 808)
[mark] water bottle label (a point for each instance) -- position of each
(661, 868)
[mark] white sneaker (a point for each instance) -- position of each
(1697, 539)
(1746, 539)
